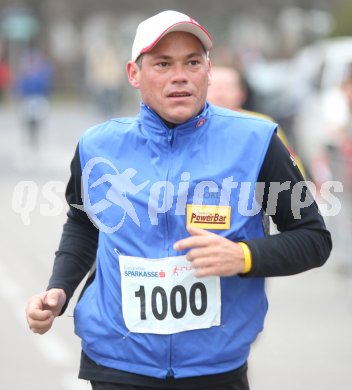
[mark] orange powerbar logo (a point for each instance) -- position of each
(209, 217)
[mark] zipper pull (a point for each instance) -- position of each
(117, 252)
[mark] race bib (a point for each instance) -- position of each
(163, 296)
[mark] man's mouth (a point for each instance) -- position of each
(179, 94)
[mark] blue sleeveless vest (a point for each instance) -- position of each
(138, 178)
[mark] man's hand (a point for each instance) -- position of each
(42, 309)
(211, 254)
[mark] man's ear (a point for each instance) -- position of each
(209, 73)
(132, 70)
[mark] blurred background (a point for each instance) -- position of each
(62, 71)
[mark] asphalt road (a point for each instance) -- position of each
(306, 344)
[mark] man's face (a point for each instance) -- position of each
(173, 78)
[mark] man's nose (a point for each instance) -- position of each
(180, 74)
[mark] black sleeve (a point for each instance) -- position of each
(79, 240)
(303, 242)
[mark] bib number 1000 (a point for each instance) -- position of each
(178, 302)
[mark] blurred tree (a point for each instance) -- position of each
(343, 17)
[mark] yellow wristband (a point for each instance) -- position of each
(247, 257)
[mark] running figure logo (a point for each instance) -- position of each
(114, 195)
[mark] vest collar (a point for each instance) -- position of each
(153, 122)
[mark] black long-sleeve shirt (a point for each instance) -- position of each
(303, 243)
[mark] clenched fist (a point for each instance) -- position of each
(42, 309)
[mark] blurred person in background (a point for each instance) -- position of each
(346, 141)
(331, 155)
(33, 85)
(5, 76)
(228, 89)
(337, 111)
(177, 296)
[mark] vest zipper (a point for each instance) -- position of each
(170, 138)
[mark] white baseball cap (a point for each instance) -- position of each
(150, 31)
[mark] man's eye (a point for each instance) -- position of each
(194, 62)
(162, 64)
